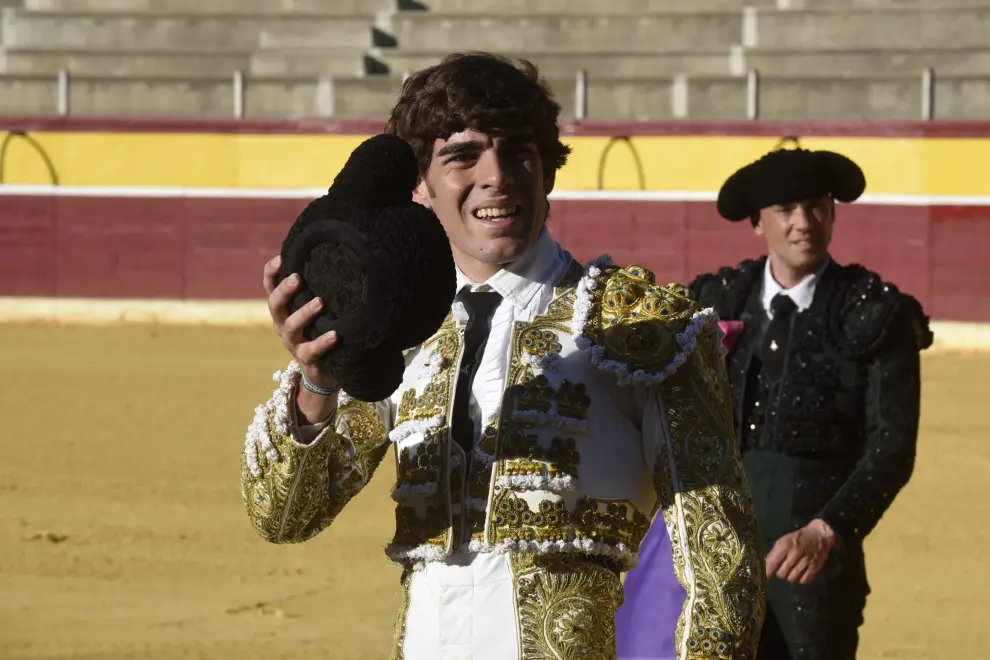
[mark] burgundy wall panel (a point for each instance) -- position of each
(229, 240)
(121, 247)
(648, 234)
(960, 272)
(27, 246)
(680, 240)
(891, 240)
(713, 242)
(214, 248)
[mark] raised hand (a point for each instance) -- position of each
(289, 327)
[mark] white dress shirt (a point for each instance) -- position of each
(802, 293)
(526, 286)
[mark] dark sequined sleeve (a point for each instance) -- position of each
(892, 411)
(726, 290)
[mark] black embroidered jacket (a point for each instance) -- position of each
(850, 395)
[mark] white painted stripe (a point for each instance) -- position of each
(949, 335)
(573, 195)
(160, 192)
(707, 196)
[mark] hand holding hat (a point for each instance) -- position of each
(380, 263)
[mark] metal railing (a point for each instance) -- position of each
(581, 93)
(927, 101)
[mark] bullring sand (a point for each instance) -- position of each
(122, 533)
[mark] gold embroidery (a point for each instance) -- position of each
(572, 400)
(726, 607)
(399, 636)
(445, 341)
(540, 337)
(476, 524)
(710, 517)
(420, 464)
(520, 453)
(611, 522)
(432, 402)
(435, 398)
(636, 321)
(300, 495)
(539, 342)
(489, 438)
(566, 607)
(428, 520)
(365, 428)
(512, 519)
(422, 524)
(535, 394)
(523, 454)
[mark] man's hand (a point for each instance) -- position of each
(799, 556)
(313, 407)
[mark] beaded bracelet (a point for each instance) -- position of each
(316, 389)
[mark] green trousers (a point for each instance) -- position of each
(818, 621)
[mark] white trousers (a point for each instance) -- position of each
(490, 606)
(462, 609)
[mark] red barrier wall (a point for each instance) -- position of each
(186, 247)
(196, 247)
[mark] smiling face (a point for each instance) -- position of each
(490, 192)
(798, 234)
(484, 131)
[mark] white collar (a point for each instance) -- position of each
(803, 293)
(544, 263)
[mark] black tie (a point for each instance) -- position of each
(776, 337)
(480, 305)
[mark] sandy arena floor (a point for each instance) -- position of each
(122, 533)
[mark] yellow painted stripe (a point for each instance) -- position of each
(898, 166)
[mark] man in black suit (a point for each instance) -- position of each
(826, 387)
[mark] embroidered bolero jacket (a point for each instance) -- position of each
(616, 407)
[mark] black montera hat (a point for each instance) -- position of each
(785, 176)
(381, 263)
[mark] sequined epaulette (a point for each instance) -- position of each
(638, 330)
(727, 289)
(866, 310)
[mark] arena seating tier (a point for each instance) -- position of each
(817, 59)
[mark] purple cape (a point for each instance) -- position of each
(646, 622)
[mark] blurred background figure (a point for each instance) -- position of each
(824, 366)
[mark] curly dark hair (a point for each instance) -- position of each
(480, 91)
